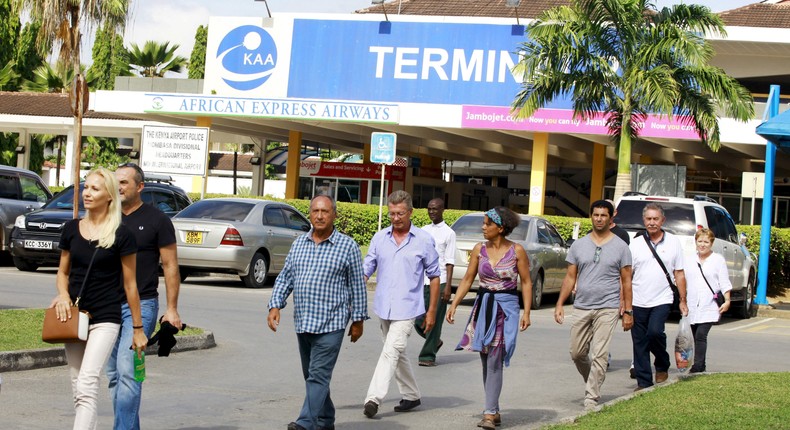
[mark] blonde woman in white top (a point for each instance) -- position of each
(703, 310)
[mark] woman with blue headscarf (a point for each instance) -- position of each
(494, 322)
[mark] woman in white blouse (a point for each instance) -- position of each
(706, 275)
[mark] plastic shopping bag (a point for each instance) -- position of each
(684, 346)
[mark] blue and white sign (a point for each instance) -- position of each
(247, 56)
(382, 147)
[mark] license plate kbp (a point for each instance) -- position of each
(194, 238)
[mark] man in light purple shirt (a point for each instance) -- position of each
(402, 254)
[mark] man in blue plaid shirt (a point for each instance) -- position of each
(323, 270)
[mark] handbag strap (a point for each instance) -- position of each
(706, 279)
(660, 263)
(85, 280)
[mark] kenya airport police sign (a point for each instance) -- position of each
(174, 150)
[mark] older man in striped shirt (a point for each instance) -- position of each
(323, 270)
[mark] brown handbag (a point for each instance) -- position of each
(74, 329)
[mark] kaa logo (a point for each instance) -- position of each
(247, 56)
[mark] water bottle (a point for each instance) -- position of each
(139, 366)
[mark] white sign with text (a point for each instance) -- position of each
(174, 150)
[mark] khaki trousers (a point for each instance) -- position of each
(591, 334)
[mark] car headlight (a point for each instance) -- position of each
(20, 222)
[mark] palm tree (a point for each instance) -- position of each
(155, 59)
(8, 76)
(624, 59)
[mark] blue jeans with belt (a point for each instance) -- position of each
(125, 392)
(648, 337)
(319, 354)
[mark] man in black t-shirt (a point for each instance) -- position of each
(155, 239)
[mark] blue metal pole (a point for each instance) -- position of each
(768, 197)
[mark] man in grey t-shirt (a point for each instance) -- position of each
(597, 265)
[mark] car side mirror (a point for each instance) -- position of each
(742, 240)
(305, 228)
(569, 242)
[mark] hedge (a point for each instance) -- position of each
(360, 221)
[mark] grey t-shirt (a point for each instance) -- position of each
(598, 283)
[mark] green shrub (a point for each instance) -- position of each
(779, 258)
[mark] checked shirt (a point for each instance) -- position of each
(326, 281)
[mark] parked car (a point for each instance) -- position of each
(545, 248)
(247, 237)
(36, 235)
(683, 217)
(21, 191)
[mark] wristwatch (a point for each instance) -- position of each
(629, 312)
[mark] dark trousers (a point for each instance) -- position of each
(319, 354)
(648, 337)
(700, 332)
(434, 337)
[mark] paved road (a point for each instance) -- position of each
(252, 379)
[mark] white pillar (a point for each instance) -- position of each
(23, 159)
(65, 175)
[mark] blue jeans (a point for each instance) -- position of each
(125, 392)
(319, 354)
(648, 337)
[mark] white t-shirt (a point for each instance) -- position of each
(702, 305)
(444, 241)
(649, 285)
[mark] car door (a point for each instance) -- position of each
(546, 255)
(560, 251)
(160, 199)
(724, 231)
(278, 237)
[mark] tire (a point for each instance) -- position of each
(745, 310)
(537, 293)
(183, 273)
(259, 270)
(25, 265)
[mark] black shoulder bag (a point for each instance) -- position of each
(672, 286)
(719, 297)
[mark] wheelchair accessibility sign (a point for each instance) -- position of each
(382, 147)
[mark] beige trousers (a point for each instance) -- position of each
(591, 334)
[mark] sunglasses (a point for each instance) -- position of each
(597, 254)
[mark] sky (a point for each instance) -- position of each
(176, 21)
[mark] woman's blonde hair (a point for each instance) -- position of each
(113, 219)
(705, 232)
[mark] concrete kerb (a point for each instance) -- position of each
(30, 359)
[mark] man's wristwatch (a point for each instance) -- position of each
(629, 312)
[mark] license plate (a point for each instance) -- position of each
(38, 244)
(194, 238)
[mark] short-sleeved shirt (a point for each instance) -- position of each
(104, 290)
(326, 281)
(650, 287)
(444, 240)
(598, 283)
(152, 230)
(401, 268)
(702, 305)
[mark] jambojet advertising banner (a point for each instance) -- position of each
(359, 70)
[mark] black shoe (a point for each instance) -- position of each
(294, 426)
(407, 405)
(371, 409)
(632, 372)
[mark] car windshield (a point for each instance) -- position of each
(472, 227)
(679, 216)
(64, 200)
(222, 210)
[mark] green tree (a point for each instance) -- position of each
(155, 59)
(61, 22)
(625, 59)
(50, 79)
(110, 58)
(9, 31)
(8, 77)
(197, 60)
(28, 56)
(100, 151)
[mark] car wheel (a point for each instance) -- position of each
(183, 273)
(537, 292)
(745, 310)
(24, 265)
(259, 270)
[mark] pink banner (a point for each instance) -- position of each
(562, 121)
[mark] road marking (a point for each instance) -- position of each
(751, 325)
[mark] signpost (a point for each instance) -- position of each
(382, 150)
(175, 150)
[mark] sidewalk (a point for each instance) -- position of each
(29, 359)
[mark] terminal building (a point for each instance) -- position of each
(438, 75)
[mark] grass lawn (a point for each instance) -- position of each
(21, 329)
(717, 401)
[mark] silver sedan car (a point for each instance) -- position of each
(545, 248)
(248, 237)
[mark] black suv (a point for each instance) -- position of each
(20, 191)
(35, 237)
